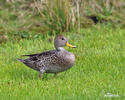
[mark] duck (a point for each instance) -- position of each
(52, 61)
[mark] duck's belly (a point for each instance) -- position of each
(56, 69)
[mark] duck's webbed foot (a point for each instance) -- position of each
(42, 71)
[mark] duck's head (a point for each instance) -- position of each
(61, 41)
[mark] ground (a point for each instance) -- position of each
(99, 68)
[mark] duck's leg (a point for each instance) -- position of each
(55, 74)
(41, 72)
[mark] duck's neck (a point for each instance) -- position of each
(60, 49)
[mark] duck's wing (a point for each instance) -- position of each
(37, 61)
(31, 55)
(42, 54)
(37, 57)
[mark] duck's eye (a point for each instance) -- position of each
(63, 39)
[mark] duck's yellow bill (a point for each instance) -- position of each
(69, 45)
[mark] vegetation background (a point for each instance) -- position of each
(97, 27)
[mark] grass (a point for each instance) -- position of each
(99, 68)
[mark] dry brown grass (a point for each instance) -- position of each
(105, 7)
(58, 15)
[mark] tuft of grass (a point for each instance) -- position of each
(56, 15)
(99, 68)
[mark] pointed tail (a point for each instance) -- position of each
(21, 60)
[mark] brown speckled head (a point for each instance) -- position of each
(61, 41)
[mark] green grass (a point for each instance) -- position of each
(99, 68)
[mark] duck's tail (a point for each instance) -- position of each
(21, 60)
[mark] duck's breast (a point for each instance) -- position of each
(70, 59)
(61, 62)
